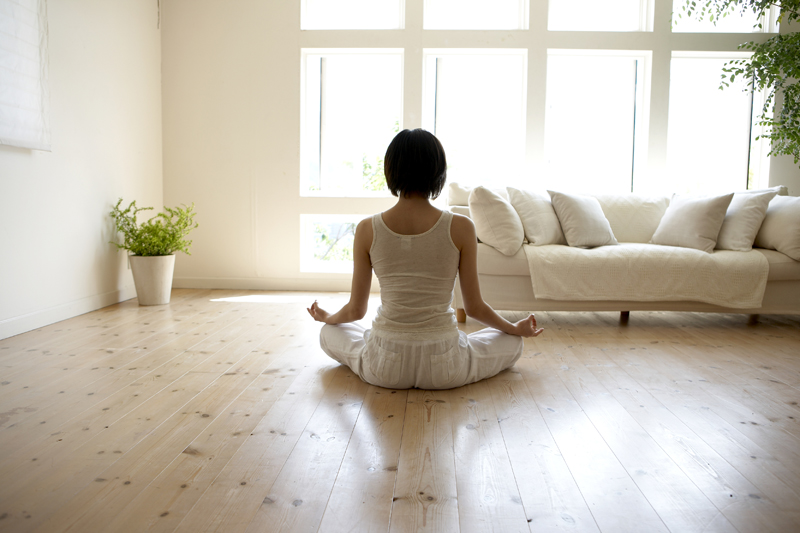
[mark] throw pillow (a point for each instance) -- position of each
(496, 222)
(539, 221)
(582, 220)
(743, 220)
(692, 222)
(781, 228)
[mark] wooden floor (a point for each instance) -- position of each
(220, 412)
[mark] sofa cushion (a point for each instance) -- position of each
(781, 266)
(645, 272)
(743, 219)
(496, 222)
(781, 227)
(494, 263)
(633, 218)
(582, 220)
(692, 222)
(539, 220)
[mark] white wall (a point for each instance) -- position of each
(231, 98)
(231, 74)
(105, 92)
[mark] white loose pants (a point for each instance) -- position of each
(422, 364)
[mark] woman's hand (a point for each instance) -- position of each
(527, 327)
(318, 313)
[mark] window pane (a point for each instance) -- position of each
(474, 102)
(734, 22)
(352, 110)
(352, 14)
(708, 137)
(593, 15)
(327, 242)
(590, 127)
(476, 15)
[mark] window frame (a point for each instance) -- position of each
(306, 146)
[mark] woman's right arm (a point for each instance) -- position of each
(465, 239)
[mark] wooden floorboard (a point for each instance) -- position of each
(220, 412)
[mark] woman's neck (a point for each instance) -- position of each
(412, 215)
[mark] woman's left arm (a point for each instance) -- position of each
(356, 308)
(463, 234)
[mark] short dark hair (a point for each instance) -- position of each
(415, 163)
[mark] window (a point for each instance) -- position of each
(24, 117)
(474, 102)
(476, 15)
(327, 242)
(352, 110)
(352, 14)
(581, 107)
(734, 22)
(709, 131)
(592, 15)
(595, 119)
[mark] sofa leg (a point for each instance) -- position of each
(624, 316)
(461, 315)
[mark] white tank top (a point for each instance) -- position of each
(417, 274)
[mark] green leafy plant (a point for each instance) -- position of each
(774, 67)
(334, 242)
(163, 234)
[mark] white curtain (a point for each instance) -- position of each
(24, 97)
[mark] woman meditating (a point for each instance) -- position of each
(416, 251)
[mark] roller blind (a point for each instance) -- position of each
(24, 96)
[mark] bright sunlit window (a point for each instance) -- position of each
(709, 130)
(475, 15)
(327, 242)
(474, 102)
(352, 108)
(593, 15)
(352, 14)
(595, 121)
(734, 22)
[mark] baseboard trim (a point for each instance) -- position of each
(268, 284)
(44, 317)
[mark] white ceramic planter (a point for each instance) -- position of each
(153, 278)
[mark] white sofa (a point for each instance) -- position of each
(508, 277)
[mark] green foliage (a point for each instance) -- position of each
(773, 68)
(374, 178)
(163, 234)
(334, 242)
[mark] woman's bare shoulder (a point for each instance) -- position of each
(462, 230)
(364, 233)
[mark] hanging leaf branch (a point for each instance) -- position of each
(773, 68)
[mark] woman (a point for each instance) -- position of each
(416, 251)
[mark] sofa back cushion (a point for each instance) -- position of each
(633, 217)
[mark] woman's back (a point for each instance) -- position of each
(417, 274)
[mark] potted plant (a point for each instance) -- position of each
(152, 245)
